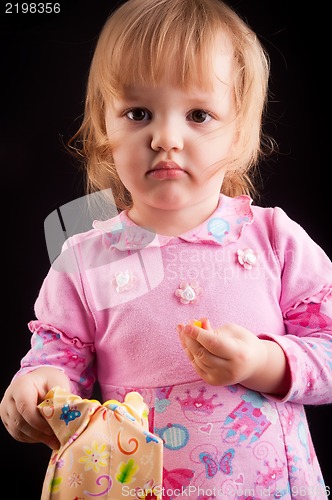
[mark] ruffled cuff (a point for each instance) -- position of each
(38, 327)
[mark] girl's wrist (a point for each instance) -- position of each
(273, 374)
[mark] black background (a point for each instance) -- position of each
(44, 66)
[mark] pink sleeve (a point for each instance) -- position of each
(63, 299)
(64, 329)
(49, 348)
(306, 304)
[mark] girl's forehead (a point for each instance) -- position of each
(211, 71)
(216, 83)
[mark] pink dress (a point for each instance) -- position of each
(108, 310)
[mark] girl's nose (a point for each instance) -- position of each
(167, 136)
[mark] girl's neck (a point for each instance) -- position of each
(172, 222)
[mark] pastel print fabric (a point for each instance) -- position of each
(106, 450)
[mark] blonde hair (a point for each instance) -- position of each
(139, 44)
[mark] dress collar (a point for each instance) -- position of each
(224, 226)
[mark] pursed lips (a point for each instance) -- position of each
(166, 170)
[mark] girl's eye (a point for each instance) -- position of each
(199, 116)
(138, 114)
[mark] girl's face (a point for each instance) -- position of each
(169, 144)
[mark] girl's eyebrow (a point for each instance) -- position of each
(137, 94)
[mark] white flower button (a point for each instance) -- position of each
(124, 281)
(247, 258)
(188, 292)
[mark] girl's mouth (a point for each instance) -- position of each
(166, 170)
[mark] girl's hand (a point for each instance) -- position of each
(18, 408)
(234, 355)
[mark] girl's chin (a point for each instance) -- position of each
(172, 202)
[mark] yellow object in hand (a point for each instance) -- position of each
(198, 323)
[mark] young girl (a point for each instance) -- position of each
(217, 311)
